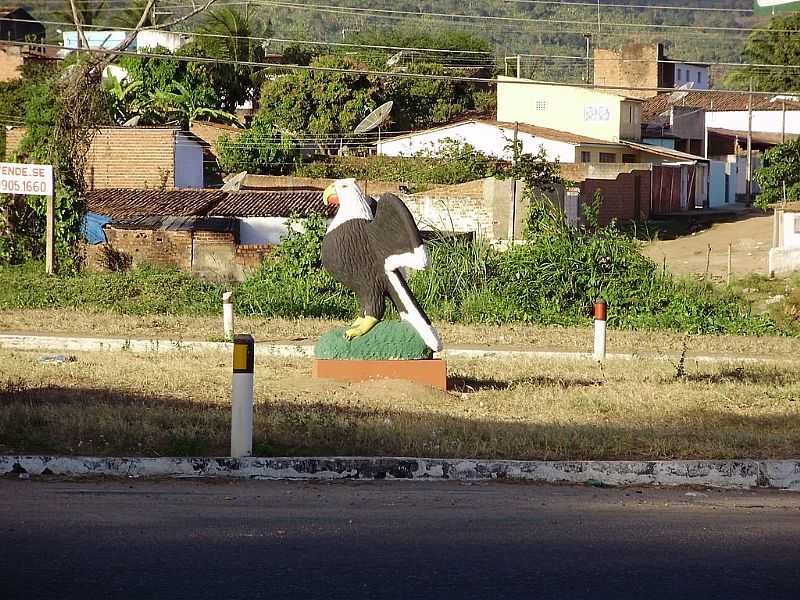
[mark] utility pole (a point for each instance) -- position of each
(512, 216)
(783, 121)
(749, 196)
(588, 38)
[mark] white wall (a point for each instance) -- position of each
(188, 163)
(763, 120)
(489, 139)
(790, 238)
(265, 230)
(262, 230)
(147, 40)
(583, 111)
(689, 74)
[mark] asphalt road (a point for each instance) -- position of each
(226, 540)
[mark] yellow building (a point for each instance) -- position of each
(583, 111)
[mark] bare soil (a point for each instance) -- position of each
(750, 239)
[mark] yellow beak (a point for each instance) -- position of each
(329, 197)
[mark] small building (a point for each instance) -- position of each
(144, 157)
(143, 42)
(210, 233)
(18, 25)
(784, 257)
(495, 138)
(725, 110)
(638, 66)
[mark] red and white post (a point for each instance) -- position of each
(600, 313)
(227, 315)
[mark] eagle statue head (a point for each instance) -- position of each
(351, 200)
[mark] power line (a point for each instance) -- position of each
(388, 74)
(378, 12)
(453, 62)
(636, 6)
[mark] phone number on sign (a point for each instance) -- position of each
(25, 186)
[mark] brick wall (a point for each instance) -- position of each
(636, 65)
(159, 248)
(626, 198)
(460, 208)
(13, 138)
(132, 158)
(10, 63)
(250, 256)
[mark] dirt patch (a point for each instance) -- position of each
(750, 239)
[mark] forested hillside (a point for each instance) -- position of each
(510, 27)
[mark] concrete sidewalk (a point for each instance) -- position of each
(288, 349)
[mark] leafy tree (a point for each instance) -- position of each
(323, 103)
(420, 102)
(781, 168)
(122, 95)
(262, 148)
(776, 45)
(443, 39)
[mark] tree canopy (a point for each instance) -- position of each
(776, 45)
(781, 168)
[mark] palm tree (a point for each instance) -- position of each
(129, 18)
(90, 12)
(231, 30)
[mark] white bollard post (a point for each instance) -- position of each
(242, 396)
(227, 315)
(600, 310)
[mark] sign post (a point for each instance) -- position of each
(33, 180)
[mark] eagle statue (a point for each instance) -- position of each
(367, 247)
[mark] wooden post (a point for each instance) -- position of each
(708, 262)
(729, 264)
(512, 213)
(51, 232)
(749, 191)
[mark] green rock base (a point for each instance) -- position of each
(388, 340)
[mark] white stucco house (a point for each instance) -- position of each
(495, 139)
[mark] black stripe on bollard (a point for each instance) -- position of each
(243, 353)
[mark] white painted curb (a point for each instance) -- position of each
(736, 474)
(266, 349)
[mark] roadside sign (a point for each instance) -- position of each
(28, 180)
(33, 180)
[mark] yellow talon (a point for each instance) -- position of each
(360, 327)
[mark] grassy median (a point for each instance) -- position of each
(178, 404)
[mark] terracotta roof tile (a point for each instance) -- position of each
(125, 203)
(129, 205)
(718, 101)
(273, 204)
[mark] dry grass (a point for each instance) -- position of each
(125, 404)
(104, 324)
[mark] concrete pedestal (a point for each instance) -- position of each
(431, 372)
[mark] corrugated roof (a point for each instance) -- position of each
(273, 204)
(665, 152)
(711, 100)
(759, 137)
(127, 205)
(124, 203)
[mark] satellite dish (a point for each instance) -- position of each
(682, 92)
(375, 119)
(395, 59)
(132, 122)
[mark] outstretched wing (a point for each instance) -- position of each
(396, 243)
(394, 236)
